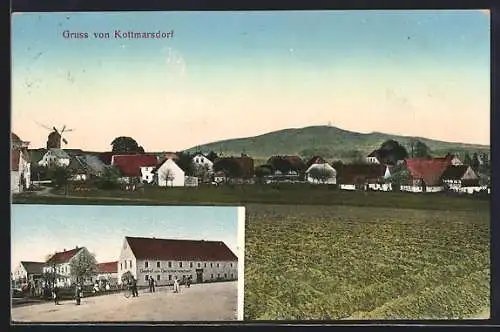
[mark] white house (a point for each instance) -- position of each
(20, 172)
(199, 160)
(170, 174)
(462, 178)
(26, 272)
(321, 173)
(55, 157)
(59, 265)
(147, 174)
(165, 259)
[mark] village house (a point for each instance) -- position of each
(235, 169)
(20, 172)
(321, 173)
(58, 265)
(201, 161)
(374, 157)
(55, 158)
(315, 160)
(461, 178)
(286, 169)
(165, 259)
(135, 167)
(425, 174)
(108, 272)
(27, 272)
(169, 174)
(363, 176)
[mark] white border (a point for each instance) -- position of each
(241, 261)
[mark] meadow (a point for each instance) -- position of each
(345, 262)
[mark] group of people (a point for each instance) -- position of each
(152, 284)
(77, 295)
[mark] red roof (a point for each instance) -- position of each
(108, 267)
(130, 165)
(429, 170)
(63, 257)
(183, 250)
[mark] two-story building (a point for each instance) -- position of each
(165, 259)
(59, 266)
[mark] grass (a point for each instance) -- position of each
(337, 262)
(295, 194)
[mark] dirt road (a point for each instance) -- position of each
(210, 302)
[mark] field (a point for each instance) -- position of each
(289, 194)
(343, 262)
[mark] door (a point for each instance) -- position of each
(199, 276)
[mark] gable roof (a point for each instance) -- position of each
(375, 153)
(359, 173)
(429, 170)
(63, 256)
(130, 165)
(455, 172)
(33, 267)
(325, 165)
(315, 160)
(59, 153)
(165, 160)
(108, 267)
(183, 250)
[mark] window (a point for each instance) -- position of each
(146, 277)
(218, 275)
(158, 264)
(217, 264)
(205, 264)
(130, 263)
(231, 264)
(225, 275)
(121, 266)
(211, 265)
(211, 276)
(191, 264)
(180, 264)
(169, 264)
(231, 275)
(158, 277)
(199, 264)
(146, 264)
(169, 277)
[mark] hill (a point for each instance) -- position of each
(329, 142)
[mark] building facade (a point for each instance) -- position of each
(26, 272)
(20, 172)
(55, 157)
(58, 266)
(165, 259)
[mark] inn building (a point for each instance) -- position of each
(165, 259)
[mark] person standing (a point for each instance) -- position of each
(176, 285)
(188, 282)
(134, 288)
(55, 294)
(151, 282)
(78, 293)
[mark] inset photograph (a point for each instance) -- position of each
(82, 263)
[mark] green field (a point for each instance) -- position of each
(343, 262)
(290, 194)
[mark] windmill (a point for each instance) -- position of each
(56, 136)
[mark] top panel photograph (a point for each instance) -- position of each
(378, 108)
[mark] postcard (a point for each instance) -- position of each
(358, 142)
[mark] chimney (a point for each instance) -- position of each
(76, 247)
(64, 250)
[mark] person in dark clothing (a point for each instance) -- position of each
(151, 285)
(134, 288)
(78, 294)
(55, 295)
(188, 282)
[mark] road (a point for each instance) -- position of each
(209, 302)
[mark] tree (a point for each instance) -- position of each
(420, 149)
(391, 152)
(281, 164)
(212, 156)
(262, 171)
(126, 145)
(83, 266)
(321, 173)
(202, 172)
(108, 180)
(185, 162)
(229, 166)
(60, 176)
(467, 159)
(400, 176)
(474, 164)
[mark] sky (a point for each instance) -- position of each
(238, 74)
(41, 230)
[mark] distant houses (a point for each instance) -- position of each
(20, 171)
